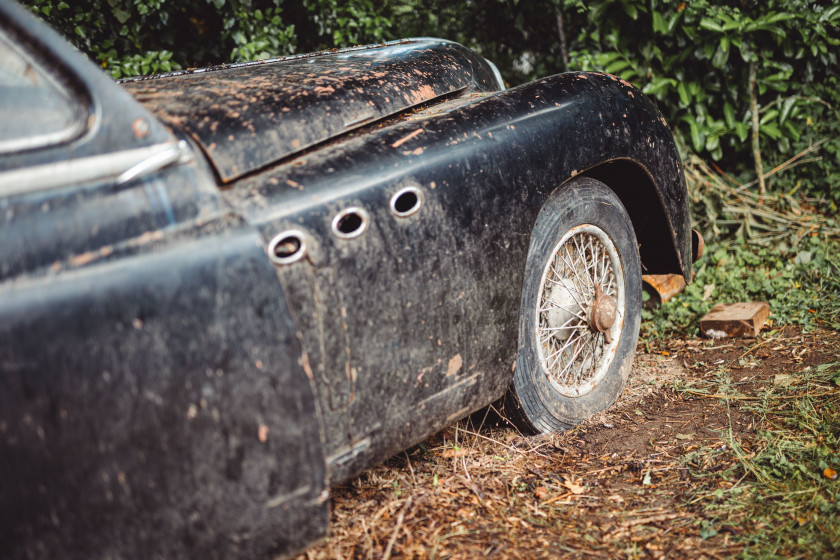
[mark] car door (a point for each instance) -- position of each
(150, 399)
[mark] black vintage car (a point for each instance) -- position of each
(224, 290)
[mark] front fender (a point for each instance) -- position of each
(485, 164)
(556, 128)
(605, 127)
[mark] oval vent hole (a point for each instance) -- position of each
(350, 223)
(287, 247)
(406, 202)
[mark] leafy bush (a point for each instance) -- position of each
(712, 65)
(150, 36)
(753, 86)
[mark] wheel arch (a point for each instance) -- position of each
(637, 190)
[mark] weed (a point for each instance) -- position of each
(782, 497)
(801, 284)
(779, 249)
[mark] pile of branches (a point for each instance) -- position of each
(727, 211)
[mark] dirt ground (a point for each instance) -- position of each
(622, 485)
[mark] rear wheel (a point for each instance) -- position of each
(580, 310)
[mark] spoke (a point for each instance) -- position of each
(592, 344)
(559, 352)
(551, 268)
(593, 354)
(605, 266)
(565, 285)
(578, 341)
(558, 263)
(547, 333)
(558, 306)
(582, 253)
(564, 326)
(601, 270)
(577, 257)
(572, 361)
(593, 254)
(572, 268)
(553, 351)
(612, 277)
(554, 357)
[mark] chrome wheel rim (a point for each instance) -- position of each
(580, 310)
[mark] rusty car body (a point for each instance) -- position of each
(224, 290)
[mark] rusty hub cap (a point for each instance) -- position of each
(603, 312)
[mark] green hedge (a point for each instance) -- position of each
(696, 58)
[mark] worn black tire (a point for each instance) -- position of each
(533, 402)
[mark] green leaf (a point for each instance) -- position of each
(712, 143)
(771, 130)
(659, 25)
(831, 14)
(672, 22)
(768, 116)
(792, 130)
(597, 9)
(721, 54)
(711, 25)
(729, 114)
(685, 97)
(696, 137)
(121, 15)
(616, 67)
(787, 106)
(658, 85)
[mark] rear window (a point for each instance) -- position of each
(35, 110)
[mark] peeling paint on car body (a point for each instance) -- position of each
(248, 116)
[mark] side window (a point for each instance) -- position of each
(35, 109)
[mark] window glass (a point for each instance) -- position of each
(34, 109)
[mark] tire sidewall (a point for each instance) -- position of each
(580, 201)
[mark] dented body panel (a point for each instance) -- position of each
(259, 280)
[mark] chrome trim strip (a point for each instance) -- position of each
(122, 166)
(498, 75)
(179, 152)
(44, 139)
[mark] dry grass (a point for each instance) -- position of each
(636, 481)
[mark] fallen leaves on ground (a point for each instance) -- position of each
(635, 481)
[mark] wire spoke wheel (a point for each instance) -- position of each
(581, 286)
(580, 310)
